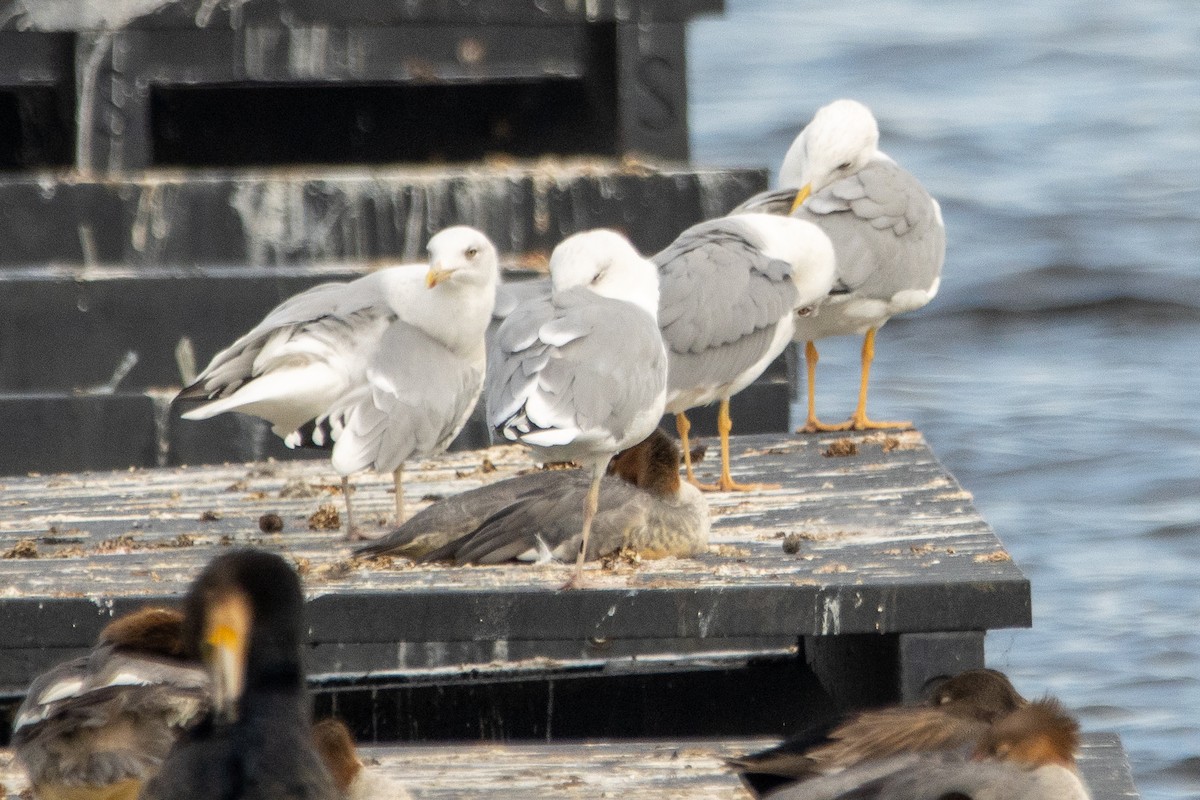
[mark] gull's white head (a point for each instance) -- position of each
(604, 262)
(842, 137)
(461, 256)
(801, 244)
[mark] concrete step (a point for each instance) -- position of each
(50, 432)
(312, 216)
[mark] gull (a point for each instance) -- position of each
(886, 230)
(732, 290)
(386, 368)
(581, 374)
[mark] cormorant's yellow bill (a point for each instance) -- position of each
(226, 639)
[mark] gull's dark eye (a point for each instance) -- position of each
(472, 252)
(844, 165)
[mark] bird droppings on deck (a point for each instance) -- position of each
(325, 518)
(865, 517)
(643, 769)
(840, 448)
(270, 523)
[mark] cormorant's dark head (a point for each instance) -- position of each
(244, 619)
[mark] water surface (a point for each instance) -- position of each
(1057, 373)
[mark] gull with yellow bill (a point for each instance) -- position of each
(886, 230)
(384, 368)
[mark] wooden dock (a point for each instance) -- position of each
(867, 574)
(631, 770)
(887, 543)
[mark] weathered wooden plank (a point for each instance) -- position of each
(637, 770)
(888, 543)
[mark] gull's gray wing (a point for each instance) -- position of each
(885, 229)
(417, 396)
(775, 201)
(456, 516)
(511, 294)
(317, 324)
(577, 367)
(721, 300)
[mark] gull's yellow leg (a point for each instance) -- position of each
(590, 504)
(398, 483)
(859, 420)
(352, 533)
(683, 426)
(726, 483)
(812, 424)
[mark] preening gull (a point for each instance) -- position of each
(731, 290)
(886, 230)
(386, 367)
(581, 374)
(642, 506)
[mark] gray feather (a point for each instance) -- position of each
(391, 418)
(901, 247)
(580, 384)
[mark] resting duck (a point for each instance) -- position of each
(537, 517)
(959, 712)
(1028, 754)
(244, 619)
(100, 725)
(355, 782)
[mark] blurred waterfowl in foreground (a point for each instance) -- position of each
(731, 292)
(581, 375)
(243, 617)
(958, 713)
(643, 506)
(1028, 754)
(886, 230)
(384, 368)
(353, 779)
(100, 725)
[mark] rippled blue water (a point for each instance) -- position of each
(1057, 374)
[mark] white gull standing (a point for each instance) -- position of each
(581, 374)
(731, 291)
(388, 366)
(886, 230)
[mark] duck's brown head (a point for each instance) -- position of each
(982, 694)
(336, 748)
(1036, 735)
(652, 464)
(155, 631)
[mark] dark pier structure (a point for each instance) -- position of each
(171, 169)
